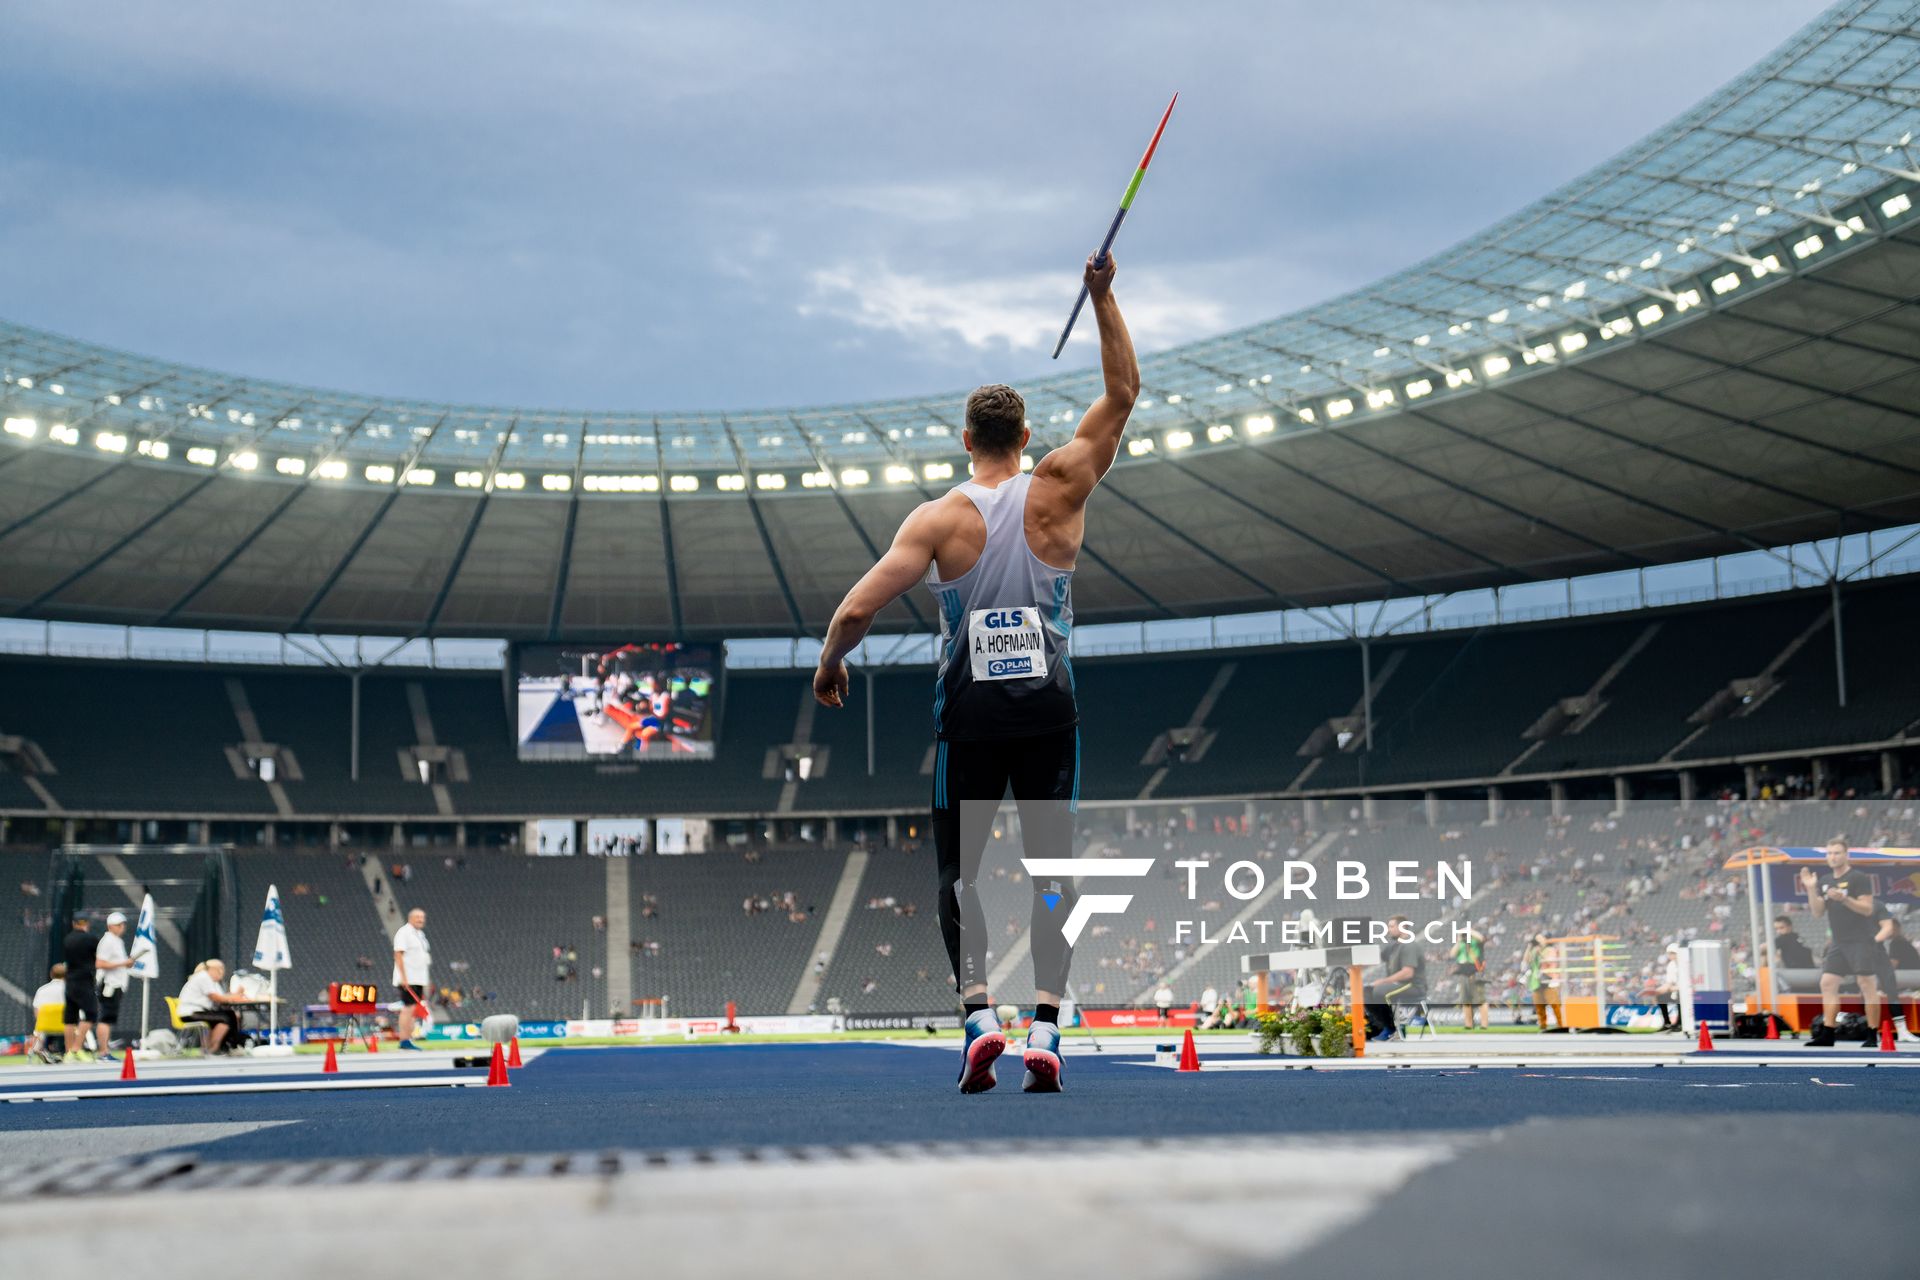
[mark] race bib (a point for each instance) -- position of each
(1008, 644)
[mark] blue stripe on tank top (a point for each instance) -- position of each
(950, 616)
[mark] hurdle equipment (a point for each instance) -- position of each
(1582, 966)
(497, 1073)
(1189, 1054)
(332, 1064)
(1353, 959)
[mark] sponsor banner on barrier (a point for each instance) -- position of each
(1149, 1018)
(453, 1031)
(589, 1026)
(545, 1030)
(899, 1021)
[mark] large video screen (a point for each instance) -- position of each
(626, 701)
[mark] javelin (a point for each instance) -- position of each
(1126, 202)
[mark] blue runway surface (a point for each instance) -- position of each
(757, 1095)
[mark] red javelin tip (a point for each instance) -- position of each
(1147, 159)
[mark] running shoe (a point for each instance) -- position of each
(1042, 1058)
(408, 1044)
(984, 1044)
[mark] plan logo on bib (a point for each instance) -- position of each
(1088, 905)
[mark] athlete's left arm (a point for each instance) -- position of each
(905, 564)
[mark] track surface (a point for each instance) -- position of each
(720, 1096)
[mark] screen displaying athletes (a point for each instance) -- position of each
(631, 701)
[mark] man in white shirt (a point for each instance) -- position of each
(412, 967)
(49, 1009)
(113, 968)
(202, 1000)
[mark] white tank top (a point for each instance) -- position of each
(1004, 670)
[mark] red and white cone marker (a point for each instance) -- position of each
(497, 1072)
(1189, 1055)
(513, 1053)
(332, 1065)
(1706, 1039)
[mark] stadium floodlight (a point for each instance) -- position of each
(1177, 440)
(1807, 248)
(1265, 378)
(1223, 389)
(155, 449)
(1418, 388)
(1649, 314)
(332, 469)
(853, 437)
(1575, 291)
(732, 483)
(1175, 398)
(1423, 340)
(1381, 353)
(1726, 283)
(509, 480)
(1259, 425)
(1895, 206)
(201, 456)
(853, 476)
(1573, 342)
(1380, 399)
(815, 479)
(110, 442)
(1766, 266)
(61, 433)
(245, 460)
(25, 428)
(290, 466)
(1338, 409)
(1141, 447)
(1686, 299)
(469, 479)
(56, 388)
(380, 473)
(1026, 462)
(24, 382)
(1499, 317)
(112, 398)
(770, 480)
(1219, 431)
(556, 483)
(683, 483)
(938, 471)
(421, 476)
(1850, 228)
(898, 475)
(1496, 365)
(1307, 414)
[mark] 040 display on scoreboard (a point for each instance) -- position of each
(628, 701)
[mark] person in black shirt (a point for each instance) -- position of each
(1788, 950)
(1844, 895)
(1403, 977)
(1899, 946)
(83, 1001)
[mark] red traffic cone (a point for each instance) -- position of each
(513, 1053)
(497, 1072)
(1706, 1039)
(332, 1065)
(1773, 1026)
(373, 1041)
(127, 1072)
(1886, 1039)
(1189, 1056)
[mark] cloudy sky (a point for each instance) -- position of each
(622, 205)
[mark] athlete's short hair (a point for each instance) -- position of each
(996, 415)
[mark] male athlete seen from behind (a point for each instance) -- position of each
(998, 553)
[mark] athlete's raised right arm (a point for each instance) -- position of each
(1078, 465)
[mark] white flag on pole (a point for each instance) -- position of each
(270, 952)
(145, 952)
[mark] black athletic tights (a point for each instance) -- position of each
(970, 779)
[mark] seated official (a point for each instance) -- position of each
(49, 1008)
(202, 1000)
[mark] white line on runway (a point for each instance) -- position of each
(1509, 1064)
(316, 1085)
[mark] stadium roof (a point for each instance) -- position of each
(1707, 344)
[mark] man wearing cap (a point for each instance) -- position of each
(115, 970)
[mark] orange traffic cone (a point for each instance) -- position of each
(1773, 1026)
(332, 1065)
(1886, 1040)
(1189, 1056)
(127, 1072)
(513, 1053)
(373, 1042)
(497, 1072)
(1706, 1039)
